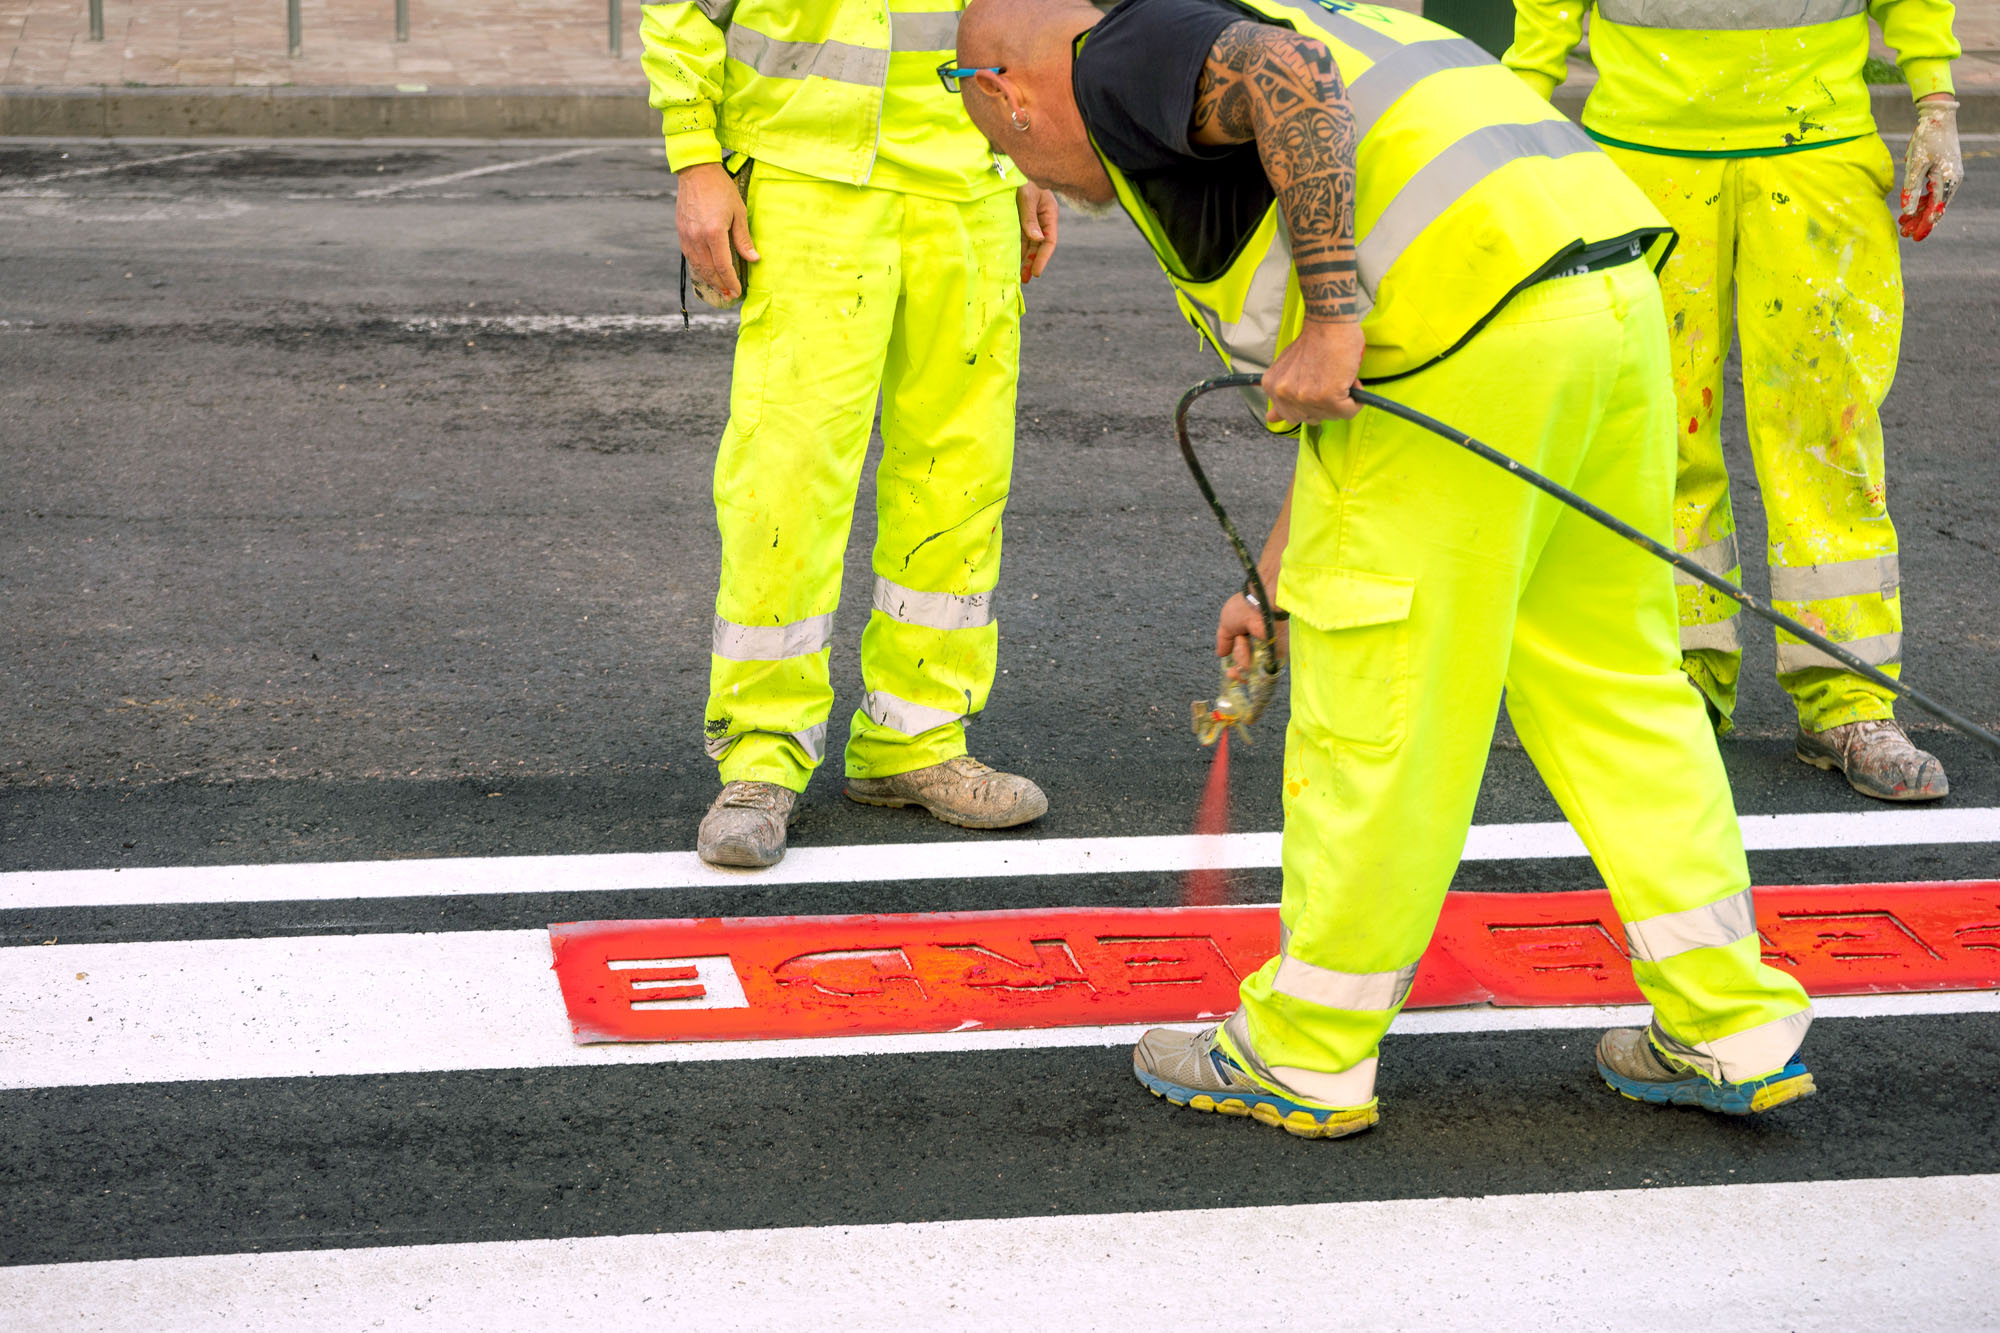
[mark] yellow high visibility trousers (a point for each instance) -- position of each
(1420, 581)
(859, 292)
(1797, 254)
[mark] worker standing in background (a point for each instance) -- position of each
(1748, 123)
(877, 246)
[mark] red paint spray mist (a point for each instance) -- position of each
(1204, 886)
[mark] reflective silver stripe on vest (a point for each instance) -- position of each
(1342, 990)
(1720, 636)
(770, 643)
(1742, 1056)
(923, 32)
(1718, 557)
(1727, 15)
(933, 610)
(1661, 937)
(1879, 574)
(1347, 31)
(812, 740)
(1384, 82)
(1877, 650)
(1448, 177)
(839, 61)
(902, 715)
(1251, 343)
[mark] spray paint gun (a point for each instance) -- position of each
(1244, 693)
(1240, 699)
(1226, 711)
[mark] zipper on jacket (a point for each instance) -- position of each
(875, 151)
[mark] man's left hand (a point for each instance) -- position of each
(1310, 379)
(1932, 166)
(1040, 218)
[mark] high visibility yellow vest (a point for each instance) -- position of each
(806, 86)
(1467, 188)
(1731, 76)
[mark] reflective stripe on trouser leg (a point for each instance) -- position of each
(1823, 272)
(1696, 286)
(1595, 695)
(801, 403)
(929, 652)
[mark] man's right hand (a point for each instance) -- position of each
(714, 226)
(1240, 630)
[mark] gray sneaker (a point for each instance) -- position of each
(746, 825)
(1878, 760)
(959, 791)
(1628, 1061)
(1197, 1070)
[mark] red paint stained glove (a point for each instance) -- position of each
(1932, 167)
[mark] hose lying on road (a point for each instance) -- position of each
(1574, 501)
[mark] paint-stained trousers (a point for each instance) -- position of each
(1421, 580)
(859, 292)
(1796, 252)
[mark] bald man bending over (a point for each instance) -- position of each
(1340, 192)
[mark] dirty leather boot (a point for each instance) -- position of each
(746, 825)
(1878, 760)
(959, 791)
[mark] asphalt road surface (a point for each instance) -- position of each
(356, 510)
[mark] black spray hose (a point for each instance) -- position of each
(1582, 506)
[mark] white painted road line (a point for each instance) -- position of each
(384, 191)
(76, 173)
(165, 1011)
(571, 323)
(1910, 1253)
(994, 858)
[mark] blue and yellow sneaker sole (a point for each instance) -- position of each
(1268, 1109)
(1789, 1084)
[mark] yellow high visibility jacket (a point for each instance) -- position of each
(1730, 77)
(1468, 188)
(842, 90)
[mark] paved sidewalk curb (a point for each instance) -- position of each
(338, 113)
(501, 113)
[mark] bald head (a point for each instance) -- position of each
(1016, 32)
(1027, 110)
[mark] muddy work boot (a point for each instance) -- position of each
(1196, 1070)
(959, 791)
(1878, 760)
(1633, 1067)
(746, 825)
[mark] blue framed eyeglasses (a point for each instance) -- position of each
(950, 75)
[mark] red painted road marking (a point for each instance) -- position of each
(731, 978)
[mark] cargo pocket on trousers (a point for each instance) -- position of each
(1356, 683)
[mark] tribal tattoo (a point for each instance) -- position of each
(1281, 89)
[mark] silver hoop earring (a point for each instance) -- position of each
(1020, 122)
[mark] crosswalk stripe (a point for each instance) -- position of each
(1804, 1254)
(87, 1014)
(880, 862)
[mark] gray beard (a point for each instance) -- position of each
(1090, 208)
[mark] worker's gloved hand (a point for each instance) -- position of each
(1239, 631)
(1932, 167)
(1040, 219)
(1311, 378)
(714, 227)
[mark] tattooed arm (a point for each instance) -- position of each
(1281, 89)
